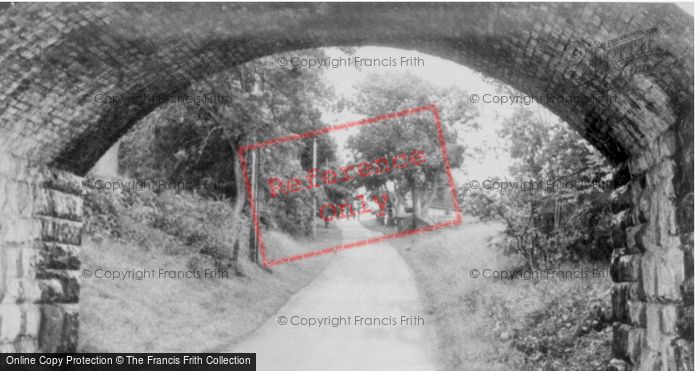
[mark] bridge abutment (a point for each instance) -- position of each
(652, 270)
(40, 235)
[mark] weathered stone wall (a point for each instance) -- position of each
(40, 227)
(653, 268)
(685, 214)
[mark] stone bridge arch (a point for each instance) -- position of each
(55, 54)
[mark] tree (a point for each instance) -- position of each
(385, 93)
(562, 195)
(200, 138)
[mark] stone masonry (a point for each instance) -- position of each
(653, 267)
(40, 227)
(57, 58)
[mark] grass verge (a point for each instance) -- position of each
(507, 324)
(165, 236)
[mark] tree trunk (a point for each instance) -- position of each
(414, 201)
(238, 205)
(426, 198)
(253, 241)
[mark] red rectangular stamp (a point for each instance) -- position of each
(400, 167)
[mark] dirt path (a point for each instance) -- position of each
(372, 281)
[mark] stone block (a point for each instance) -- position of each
(657, 202)
(14, 229)
(635, 345)
(621, 199)
(14, 292)
(10, 322)
(685, 322)
(8, 348)
(660, 149)
(662, 275)
(688, 259)
(634, 238)
(651, 360)
(639, 163)
(20, 290)
(58, 256)
(59, 286)
(620, 340)
(16, 198)
(11, 257)
(59, 328)
(686, 212)
(661, 325)
(667, 353)
(25, 344)
(71, 326)
(51, 291)
(32, 321)
(29, 258)
(637, 313)
(682, 355)
(668, 318)
(60, 230)
(618, 237)
(58, 204)
(687, 162)
(620, 298)
(688, 291)
(686, 128)
(62, 181)
(626, 268)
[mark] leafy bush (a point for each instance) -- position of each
(198, 139)
(572, 331)
(558, 207)
(292, 213)
(196, 222)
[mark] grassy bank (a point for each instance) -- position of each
(485, 323)
(209, 306)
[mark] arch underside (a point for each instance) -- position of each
(52, 55)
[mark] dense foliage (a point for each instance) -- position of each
(391, 92)
(197, 139)
(556, 207)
